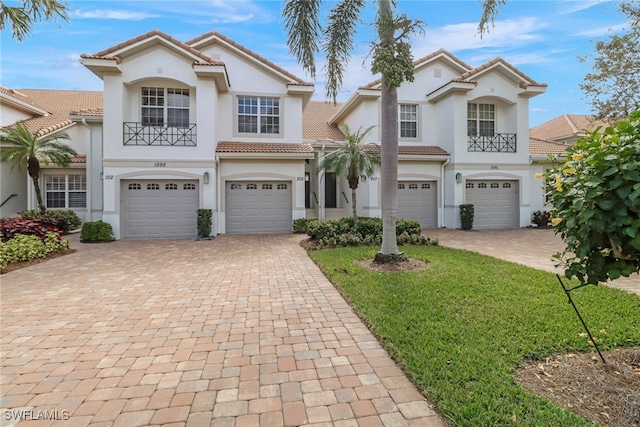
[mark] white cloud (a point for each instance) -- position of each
(121, 15)
(602, 31)
(569, 7)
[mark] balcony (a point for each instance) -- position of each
(496, 143)
(136, 133)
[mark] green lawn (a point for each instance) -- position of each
(460, 328)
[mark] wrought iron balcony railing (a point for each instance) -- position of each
(499, 142)
(136, 133)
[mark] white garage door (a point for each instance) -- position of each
(418, 200)
(160, 208)
(495, 203)
(258, 207)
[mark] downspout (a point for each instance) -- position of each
(89, 171)
(321, 208)
(217, 201)
(442, 201)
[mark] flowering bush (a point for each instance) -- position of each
(595, 199)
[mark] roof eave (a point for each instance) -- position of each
(450, 88)
(216, 72)
(436, 157)
(101, 66)
(22, 105)
(249, 156)
(352, 103)
(532, 90)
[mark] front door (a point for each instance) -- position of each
(330, 191)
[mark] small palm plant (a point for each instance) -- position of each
(28, 148)
(353, 158)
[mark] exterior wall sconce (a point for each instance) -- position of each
(101, 176)
(206, 177)
(458, 178)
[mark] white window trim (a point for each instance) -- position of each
(281, 116)
(417, 121)
(66, 190)
(477, 119)
(165, 107)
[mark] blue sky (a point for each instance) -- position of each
(541, 38)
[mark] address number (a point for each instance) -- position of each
(300, 178)
(159, 165)
(108, 177)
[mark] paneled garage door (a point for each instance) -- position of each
(160, 208)
(258, 207)
(495, 203)
(418, 200)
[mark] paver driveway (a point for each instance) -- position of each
(241, 330)
(527, 246)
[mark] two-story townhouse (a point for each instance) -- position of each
(47, 112)
(463, 138)
(202, 124)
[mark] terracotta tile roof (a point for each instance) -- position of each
(374, 84)
(106, 54)
(566, 126)
(263, 147)
(543, 147)
(59, 104)
(416, 150)
(527, 81)
(315, 122)
(89, 112)
(294, 79)
(79, 159)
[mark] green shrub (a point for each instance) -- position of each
(27, 247)
(301, 225)
(96, 231)
(541, 218)
(466, 216)
(408, 226)
(204, 223)
(73, 220)
(350, 231)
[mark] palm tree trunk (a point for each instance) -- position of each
(354, 202)
(389, 161)
(36, 185)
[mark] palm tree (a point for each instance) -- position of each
(391, 57)
(21, 17)
(28, 148)
(353, 158)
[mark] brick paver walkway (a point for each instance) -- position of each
(526, 246)
(238, 331)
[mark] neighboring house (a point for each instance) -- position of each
(47, 112)
(567, 129)
(208, 123)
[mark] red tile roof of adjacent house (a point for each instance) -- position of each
(566, 126)
(263, 147)
(79, 159)
(315, 122)
(59, 104)
(543, 147)
(415, 150)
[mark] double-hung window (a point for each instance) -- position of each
(481, 119)
(65, 191)
(165, 106)
(260, 115)
(408, 120)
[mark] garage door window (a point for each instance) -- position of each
(426, 186)
(236, 186)
(400, 186)
(171, 186)
(189, 187)
(153, 186)
(506, 185)
(470, 185)
(134, 186)
(252, 187)
(65, 191)
(267, 187)
(282, 186)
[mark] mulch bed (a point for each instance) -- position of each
(607, 394)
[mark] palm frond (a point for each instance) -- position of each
(20, 144)
(338, 42)
(302, 24)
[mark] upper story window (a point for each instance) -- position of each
(408, 120)
(259, 115)
(65, 191)
(165, 106)
(481, 119)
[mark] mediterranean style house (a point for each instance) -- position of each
(208, 123)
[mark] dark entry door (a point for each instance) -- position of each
(330, 191)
